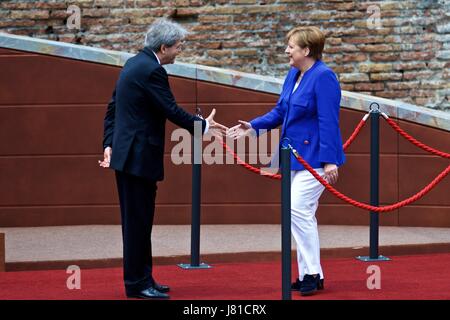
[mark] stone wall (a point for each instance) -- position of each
(394, 49)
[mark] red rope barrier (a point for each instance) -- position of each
(414, 141)
(249, 167)
(340, 195)
(355, 133)
(355, 203)
(278, 176)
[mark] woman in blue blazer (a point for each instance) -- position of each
(308, 111)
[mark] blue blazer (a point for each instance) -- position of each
(309, 116)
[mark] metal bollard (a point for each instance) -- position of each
(374, 185)
(196, 205)
(286, 223)
(374, 180)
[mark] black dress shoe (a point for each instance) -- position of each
(161, 287)
(295, 286)
(310, 284)
(150, 293)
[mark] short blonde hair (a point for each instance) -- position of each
(311, 37)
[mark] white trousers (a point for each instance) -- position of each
(305, 194)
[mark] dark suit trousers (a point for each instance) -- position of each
(137, 206)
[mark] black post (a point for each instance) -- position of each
(374, 180)
(196, 201)
(286, 223)
(374, 185)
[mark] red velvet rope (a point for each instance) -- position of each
(354, 134)
(414, 141)
(397, 205)
(278, 176)
(340, 195)
(249, 167)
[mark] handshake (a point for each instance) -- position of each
(240, 130)
(243, 129)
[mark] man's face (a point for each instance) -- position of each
(168, 54)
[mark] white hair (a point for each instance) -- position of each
(163, 31)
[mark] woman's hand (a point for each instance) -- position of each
(331, 173)
(243, 129)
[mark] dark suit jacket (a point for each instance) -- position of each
(135, 120)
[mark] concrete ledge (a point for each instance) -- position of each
(351, 100)
(99, 246)
(2, 252)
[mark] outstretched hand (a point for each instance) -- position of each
(243, 129)
(215, 126)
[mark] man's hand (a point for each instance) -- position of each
(216, 127)
(106, 158)
(331, 173)
(243, 129)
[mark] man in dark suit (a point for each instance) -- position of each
(134, 128)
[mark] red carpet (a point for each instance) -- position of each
(405, 277)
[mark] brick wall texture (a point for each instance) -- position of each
(394, 49)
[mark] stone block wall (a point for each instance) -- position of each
(394, 49)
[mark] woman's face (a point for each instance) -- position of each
(296, 54)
